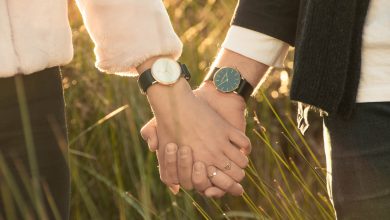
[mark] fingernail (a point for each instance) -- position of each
(241, 188)
(174, 190)
(171, 148)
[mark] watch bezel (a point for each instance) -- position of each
(222, 69)
(171, 62)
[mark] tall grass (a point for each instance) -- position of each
(115, 177)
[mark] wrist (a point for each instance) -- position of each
(167, 98)
(250, 69)
(208, 92)
(167, 93)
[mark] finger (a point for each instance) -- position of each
(230, 168)
(236, 156)
(185, 167)
(160, 157)
(224, 182)
(200, 178)
(161, 165)
(149, 134)
(214, 192)
(240, 140)
(171, 164)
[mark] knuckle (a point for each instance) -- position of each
(171, 161)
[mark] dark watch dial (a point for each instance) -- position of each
(227, 79)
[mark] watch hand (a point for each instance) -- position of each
(223, 82)
(223, 78)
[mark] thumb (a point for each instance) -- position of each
(149, 134)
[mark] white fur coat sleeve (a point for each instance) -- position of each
(127, 32)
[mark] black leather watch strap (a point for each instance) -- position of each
(146, 79)
(184, 71)
(245, 89)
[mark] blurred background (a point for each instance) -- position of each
(114, 176)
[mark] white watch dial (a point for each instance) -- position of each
(166, 71)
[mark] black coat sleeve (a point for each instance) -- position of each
(276, 18)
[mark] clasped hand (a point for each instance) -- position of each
(199, 138)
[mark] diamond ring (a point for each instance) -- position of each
(213, 174)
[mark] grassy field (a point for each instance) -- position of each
(115, 177)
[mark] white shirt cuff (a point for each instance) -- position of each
(257, 46)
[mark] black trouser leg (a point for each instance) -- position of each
(45, 102)
(358, 160)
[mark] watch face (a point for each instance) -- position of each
(166, 71)
(227, 79)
